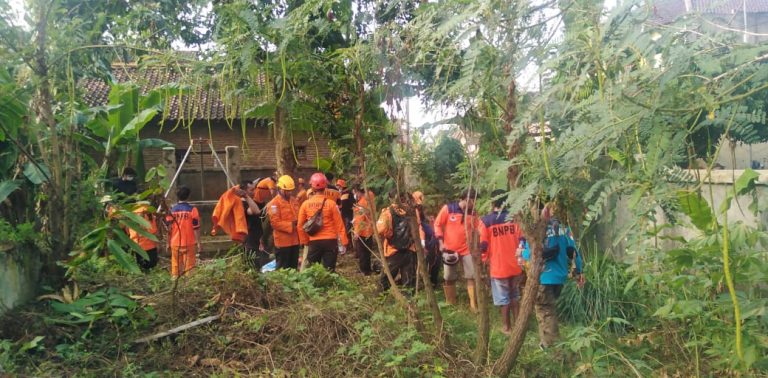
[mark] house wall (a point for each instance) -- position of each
(256, 145)
(741, 155)
(757, 24)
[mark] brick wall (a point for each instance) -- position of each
(256, 144)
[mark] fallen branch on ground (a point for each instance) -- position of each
(178, 329)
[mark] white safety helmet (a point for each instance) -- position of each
(450, 258)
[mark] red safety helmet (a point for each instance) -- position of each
(318, 181)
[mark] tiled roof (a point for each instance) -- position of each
(669, 10)
(202, 103)
(729, 6)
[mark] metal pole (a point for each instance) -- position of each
(202, 170)
(178, 170)
(223, 168)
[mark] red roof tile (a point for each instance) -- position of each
(204, 103)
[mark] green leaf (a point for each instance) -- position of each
(132, 244)
(32, 344)
(618, 156)
(631, 284)
(261, 111)
(323, 165)
(154, 143)
(7, 187)
(136, 124)
(123, 259)
(697, 209)
(120, 312)
(119, 300)
(126, 97)
(153, 99)
(34, 173)
(746, 181)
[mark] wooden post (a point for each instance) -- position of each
(233, 163)
(169, 163)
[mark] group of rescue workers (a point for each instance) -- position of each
(327, 219)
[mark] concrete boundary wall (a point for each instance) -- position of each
(19, 277)
(720, 182)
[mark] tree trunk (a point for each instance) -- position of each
(484, 321)
(284, 166)
(508, 358)
(51, 154)
(535, 232)
(359, 143)
(510, 113)
(437, 317)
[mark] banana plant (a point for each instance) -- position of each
(119, 123)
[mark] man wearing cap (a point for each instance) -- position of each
(283, 213)
(452, 225)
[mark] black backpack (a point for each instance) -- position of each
(401, 231)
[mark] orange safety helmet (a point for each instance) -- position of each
(341, 183)
(318, 181)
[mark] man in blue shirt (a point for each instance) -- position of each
(558, 252)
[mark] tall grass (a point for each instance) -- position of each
(603, 296)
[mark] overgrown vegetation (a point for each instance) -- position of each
(625, 102)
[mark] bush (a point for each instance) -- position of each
(606, 294)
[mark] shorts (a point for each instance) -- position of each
(506, 290)
(451, 273)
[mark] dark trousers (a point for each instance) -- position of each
(434, 262)
(404, 263)
(363, 248)
(146, 265)
(287, 257)
(325, 251)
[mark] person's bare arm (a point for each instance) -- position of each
(253, 208)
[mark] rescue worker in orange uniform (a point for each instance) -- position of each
(452, 225)
(184, 226)
(301, 196)
(265, 190)
(347, 203)
(148, 245)
(499, 241)
(283, 212)
(362, 229)
(331, 237)
(329, 192)
(399, 244)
